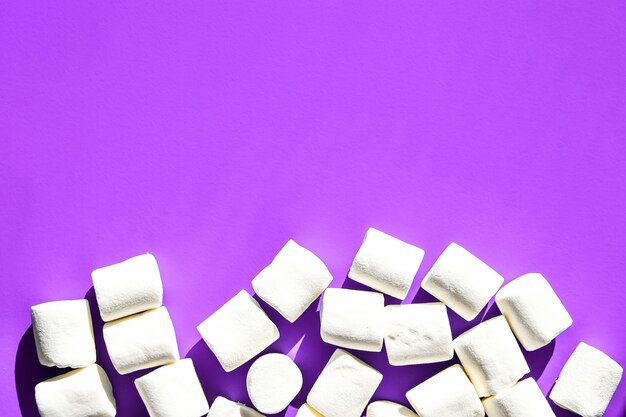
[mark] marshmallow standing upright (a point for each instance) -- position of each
(273, 381)
(128, 287)
(386, 264)
(141, 341)
(353, 319)
(238, 331)
(523, 399)
(307, 411)
(533, 310)
(449, 393)
(587, 382)
(64, 334)
(78, 393)
(462, 281)
(173, 391)
(294, 279)
(417, 333)
(491, 356)
(223, 407)
(344, 387)
(388, 409)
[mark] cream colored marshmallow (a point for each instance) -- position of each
(273, 381)
(223, 407)
(388, 409)
(307, 411)
(523, 399)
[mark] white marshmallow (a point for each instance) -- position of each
(449, 393)
(533, 310)
(491, 356)
(587, 382)
(344, 387)
(353, 319)
(523, 399)
(223, 407)
(462, 281)
(64, 333)
(386, 264)
(294, 279)
(78, 393)
(173, 391)
(417, 333)
(273, 381)
(307, 411)
(128, 287)
(141, 341)
(238, 331)
(388, 409)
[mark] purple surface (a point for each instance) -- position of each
(210, 133)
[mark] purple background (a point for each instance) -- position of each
(210, 133)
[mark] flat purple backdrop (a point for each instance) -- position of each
(210, 133)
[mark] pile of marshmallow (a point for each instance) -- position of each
(139, 334)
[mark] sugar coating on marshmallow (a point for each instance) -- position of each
(78, 393)
(388, 409)
(386, 264)
(128, 287)
(587, 382)
(307, 411)
(173, 391)
(523, 399)
(344, 387)
(417, 333)
(353, 319)
(462, 281)
(491, 356)
(533, 310)
(273, 381)
(223, 407)
(448, 393)
(141, 341)
(64, 334)
(294, 279)
(238, 331)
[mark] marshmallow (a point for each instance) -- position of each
(587, 382)
(386, 264)
(238, 331)
(142, 341)
(523, 399)
(353, 319)
(388, 409)
(462, 281)
(417, 333)
(344, 387)
(64, 333)
(128, 287)
(78, 393)
(273, 381)
(449, 393)
(533, 310)
(491, 356)
(223, 407)
(173, 391)
(307, 411)
(294, 279)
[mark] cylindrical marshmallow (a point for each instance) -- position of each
(523, 399)
(307, 411)
(223, 407)
(273, 381)
(388, 409)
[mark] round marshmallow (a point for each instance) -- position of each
(223, 407)
(523, 399)
(307, 411)
(273, 381)
(388, 409)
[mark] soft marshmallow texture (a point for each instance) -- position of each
(388, 409)
(491, 356)
(386, 264)
(223, 407)
(344, 387)
(128, 287)
(448, 393)
(307, 411)
(78, 393)
(587, 382)
(173, 391)
(533, 310)
(524, 399)
(64, 333)
(273, 381)
(294, 279)
(462, 281)
(141, 341)
(353, 319)
(238, 331)
(417, 333)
